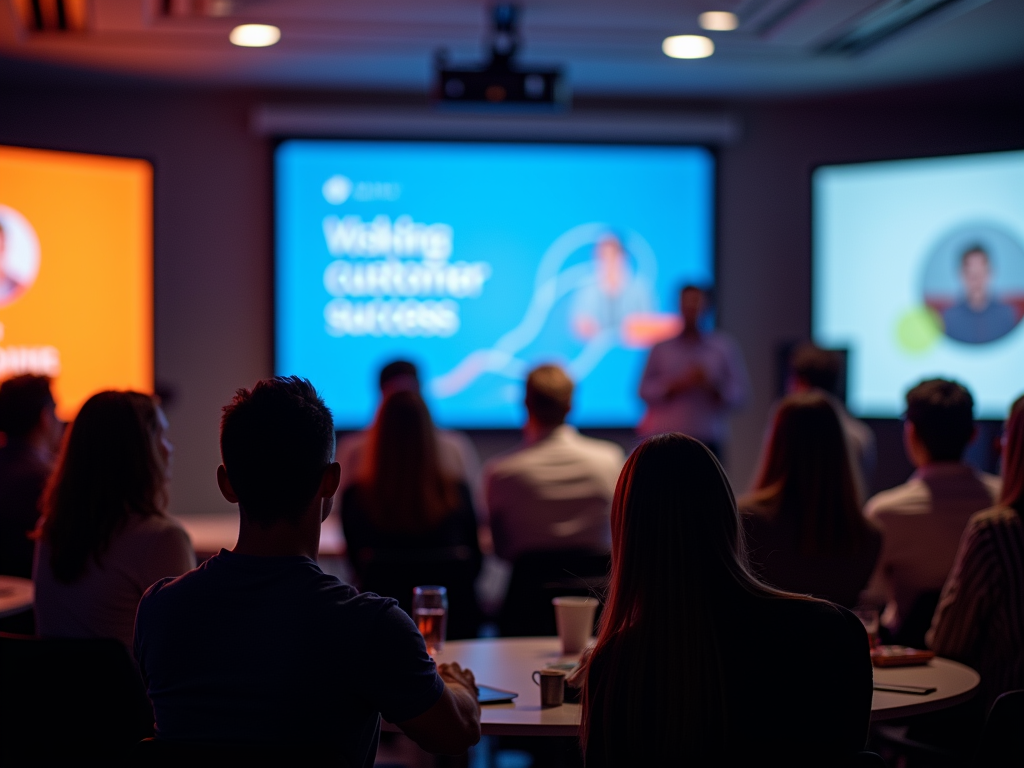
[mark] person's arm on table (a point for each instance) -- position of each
(452, 725)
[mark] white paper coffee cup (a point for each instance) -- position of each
(574, 617)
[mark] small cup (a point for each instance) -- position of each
(868, 616)
(552, 686)
(574, 617)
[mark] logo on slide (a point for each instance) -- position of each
(337, 189)
(19, 255)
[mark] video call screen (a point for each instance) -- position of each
(919, 272)
(76, 264)
(480, 261)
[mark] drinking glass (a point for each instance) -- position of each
(869, 618)
(430, 612)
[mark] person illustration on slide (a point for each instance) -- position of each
(615, 299)
(979, 317)
(9, 287)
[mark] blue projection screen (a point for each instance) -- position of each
(480, 261)
(919, 273)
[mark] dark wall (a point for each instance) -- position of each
(213, 229)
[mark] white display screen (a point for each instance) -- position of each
(919, 273)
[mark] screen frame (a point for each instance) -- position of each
(813, 258)
(715, 198)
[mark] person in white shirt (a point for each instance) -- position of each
(554, 491)
(693, 381)
(923, 519)
(458, 457)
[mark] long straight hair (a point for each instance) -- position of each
(1013, 458)
(109, 468)
(402, 483)
(678, 562)
(806, 477)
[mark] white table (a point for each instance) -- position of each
(508, 663)
(16, 595)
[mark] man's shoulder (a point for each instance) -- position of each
(910, 498)
(992, 483)
(604, 450)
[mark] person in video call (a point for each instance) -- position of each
(456, 453)
(258, 645)
(553, 491)
(922, 520)
(979, 317)
(693, 381)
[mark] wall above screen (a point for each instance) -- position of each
(479, 261)
(919, 273)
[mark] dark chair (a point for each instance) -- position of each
(537, 577)
(915, 625)
(1002, 741)
(64, 696)
(395, 572)
(157, 753)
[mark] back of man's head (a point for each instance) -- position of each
(942, 413)
(548, 395)
(399, 374)
(275, 441)
(22, 402)
(816, 367)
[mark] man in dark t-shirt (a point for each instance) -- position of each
(258, 645)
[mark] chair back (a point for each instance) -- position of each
(918, 620)
(537, 577)
(63, 695)
(395, 572)
(158, 753)
(1002, 741)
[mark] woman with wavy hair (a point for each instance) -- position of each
(803, 522)
(696, 661)
(105, 536)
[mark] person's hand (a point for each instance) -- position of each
(453, 674)
(695, 378)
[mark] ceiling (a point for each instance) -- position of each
(607, 47)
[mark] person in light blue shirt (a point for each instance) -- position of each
(979, 317)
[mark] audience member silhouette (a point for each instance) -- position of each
(553, 491)
(923, 519)
(105, 536)
(697, 662)
(813, 369)
(406, 521)
(258, 645)
(30, 436)
(805, 531)
(980, 618)
(455, 451)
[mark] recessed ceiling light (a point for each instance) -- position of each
(718, 21)
(688, 46)
(255, 35)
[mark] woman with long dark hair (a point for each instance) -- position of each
(105, 536)
(407, 522)
(804, 528)
(980, 617)
(696, 661)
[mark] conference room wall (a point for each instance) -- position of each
(213, 230)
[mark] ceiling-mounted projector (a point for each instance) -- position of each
(502, 80)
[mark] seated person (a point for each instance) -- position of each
(31, 435)
(813, 369)
(554, 491)
(456, 453)
(699, 663)
(258, 645)
(404, 502)
(805, 531)
(923, 519)
(980, 618)
(105, 536)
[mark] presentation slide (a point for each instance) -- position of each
(480, 261)
(919, 273)
(76, 262)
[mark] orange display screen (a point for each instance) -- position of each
(76, 272)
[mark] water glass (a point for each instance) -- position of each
(430, 612)
(869, 618)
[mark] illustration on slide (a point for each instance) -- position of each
(19, 255)
(611, 299)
